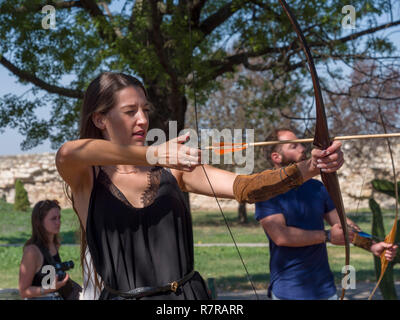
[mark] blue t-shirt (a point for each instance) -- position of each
(300, 272)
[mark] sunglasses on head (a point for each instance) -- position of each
(47, 202)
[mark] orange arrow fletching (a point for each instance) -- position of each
(223, 151)
(229, 144)
(233, 147)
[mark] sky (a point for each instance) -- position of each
(11, 139)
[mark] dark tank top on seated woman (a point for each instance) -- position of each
(37, 279)
(142, 247)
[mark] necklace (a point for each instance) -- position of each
(123, 172)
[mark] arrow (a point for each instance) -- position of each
(370, 236)
(226, 147)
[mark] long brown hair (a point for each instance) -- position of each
(39, 234)
(100, 96)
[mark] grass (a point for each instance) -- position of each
(10, 258)
(209, 227)
(221, 263)
(15, 226)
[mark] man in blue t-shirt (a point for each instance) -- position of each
(294, 224)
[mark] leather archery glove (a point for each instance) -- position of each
(267, 184)
(362, 242)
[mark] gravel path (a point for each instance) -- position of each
(361, 292)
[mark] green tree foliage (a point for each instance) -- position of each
(387, 286)
(21, 201)
(172, 46)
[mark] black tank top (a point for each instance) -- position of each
(140, 247)
(37, 279)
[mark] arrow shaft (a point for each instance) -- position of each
(307, 140)
(370, 236)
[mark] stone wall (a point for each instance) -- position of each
(38, 174)
(41, 179)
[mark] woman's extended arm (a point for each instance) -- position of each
(75, 158)
(196, 181)
(222, 181)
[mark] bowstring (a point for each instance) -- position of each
(194, 81)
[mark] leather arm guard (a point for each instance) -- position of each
(362, 242)
(267, 184)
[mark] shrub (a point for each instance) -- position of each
(21, 202)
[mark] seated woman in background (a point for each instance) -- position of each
(45, 229)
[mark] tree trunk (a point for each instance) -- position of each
(170, 105)
(242, 213)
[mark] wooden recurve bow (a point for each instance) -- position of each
(321, 135)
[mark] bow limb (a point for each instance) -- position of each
(390, 238)
(321, 136)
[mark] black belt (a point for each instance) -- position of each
(148, 291)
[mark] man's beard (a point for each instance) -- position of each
(285, 161)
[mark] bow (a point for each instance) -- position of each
(390, 238)
(321, 136)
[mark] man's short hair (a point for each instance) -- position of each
(273, 136)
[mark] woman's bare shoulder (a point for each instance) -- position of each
(32, 253)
